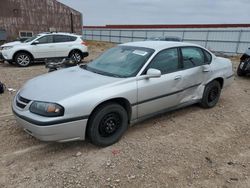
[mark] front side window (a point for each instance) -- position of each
(45, 39)
(192, 57)
(166, 61)
(121, 61)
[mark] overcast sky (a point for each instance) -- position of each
(106, 12)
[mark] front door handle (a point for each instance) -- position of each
(179, 77)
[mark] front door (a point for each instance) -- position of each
(156, 94)
(45, 48)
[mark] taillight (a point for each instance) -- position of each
(84, 43)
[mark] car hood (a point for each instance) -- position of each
(11, 43)
(59, 85)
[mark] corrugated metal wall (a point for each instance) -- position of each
(37, 16)
(230, 40)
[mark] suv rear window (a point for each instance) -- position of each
(64, 38)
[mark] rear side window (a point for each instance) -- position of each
(192, 57)
(208, 57)
(63, 38)
(71, 38)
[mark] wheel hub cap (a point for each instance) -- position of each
(109, 124)
(23, 60)
(76, 57)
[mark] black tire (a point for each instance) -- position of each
(11, 62)
(107, 124)
(211, 94)
(240, 72)
(76, 55)
(23, 59)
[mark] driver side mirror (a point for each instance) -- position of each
(35, 42)
(153, 73)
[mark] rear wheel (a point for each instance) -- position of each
(22, 59)
(76, 55)
(107, 124)
(211, 94)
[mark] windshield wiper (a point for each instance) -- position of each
(101, 72)
(90, 69)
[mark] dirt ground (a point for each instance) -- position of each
(191, 147)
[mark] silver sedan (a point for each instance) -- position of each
(126, 84)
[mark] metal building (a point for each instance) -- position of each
(24, 18)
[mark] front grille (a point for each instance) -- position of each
(21, 102)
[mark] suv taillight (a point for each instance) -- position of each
(84, 43)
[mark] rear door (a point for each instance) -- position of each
(156, 94)
(63, 44)
(195, 73)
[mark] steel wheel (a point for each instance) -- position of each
(211, 94)
(109, 124)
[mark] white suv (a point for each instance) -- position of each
(44, 46)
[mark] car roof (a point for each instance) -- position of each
(159, 45)
(58, 33)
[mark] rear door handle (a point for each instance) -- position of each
(179, 77)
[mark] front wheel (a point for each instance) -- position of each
(107, 124)
(211, 94)
(23, 59)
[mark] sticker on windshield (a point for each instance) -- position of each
(139, 52)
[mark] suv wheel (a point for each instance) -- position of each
(23, 59)
(76, 55)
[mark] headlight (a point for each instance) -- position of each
(46, 109)
(7, 47)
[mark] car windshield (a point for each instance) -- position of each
(31, 39)
(121, 61)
